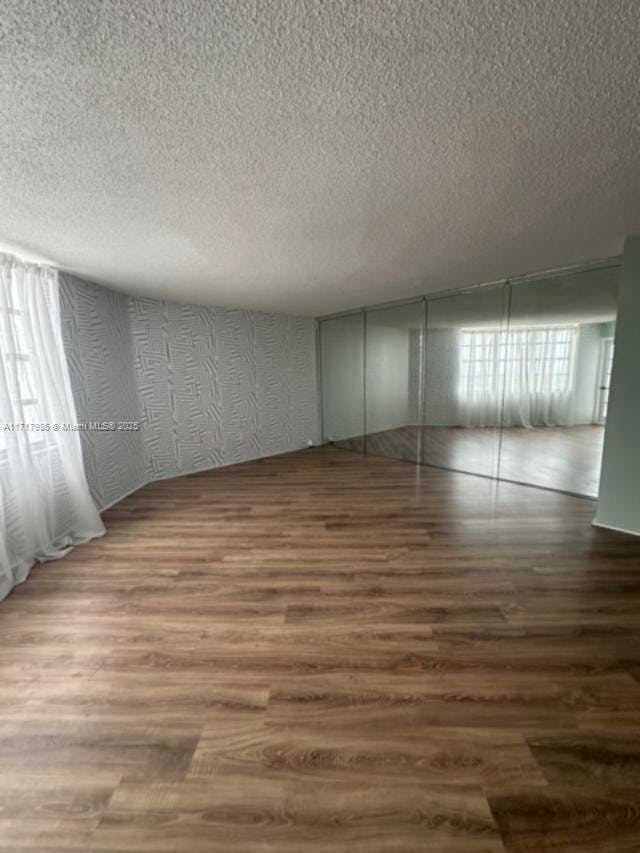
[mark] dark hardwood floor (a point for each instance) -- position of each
(327, 652)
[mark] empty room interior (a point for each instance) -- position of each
(319, 426)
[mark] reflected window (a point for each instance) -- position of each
(530, 368)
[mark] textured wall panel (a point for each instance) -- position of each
(177, 376)
(209, 386)
(218, 386)
(238, 384)
(97, 340)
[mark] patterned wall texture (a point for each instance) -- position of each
(210, 386)
(97, 339)
(177, 376)
(219, 386)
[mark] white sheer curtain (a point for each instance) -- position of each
(480, 378)
(521, 377)
(45, 506)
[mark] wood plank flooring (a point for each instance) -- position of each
(327, 652)
(563, 458)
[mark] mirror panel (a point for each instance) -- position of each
(342, 381)
(508, 380)
(559, 354)
(393, 380)
(463, 391)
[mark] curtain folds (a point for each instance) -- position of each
(517, 378)
(45, 506)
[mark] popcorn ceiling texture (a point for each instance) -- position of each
(306, 156)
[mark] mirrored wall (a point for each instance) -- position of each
(342, 381)
(557, 371)
(394, 360)
(507, 380)
(462, 399)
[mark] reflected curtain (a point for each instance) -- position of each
(45, 506)
(521, 377)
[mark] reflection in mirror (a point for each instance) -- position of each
(393, 380)
(463, 392)
(557, 368)
(342, 380)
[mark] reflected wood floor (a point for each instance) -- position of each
(564, 458)
(327, 652)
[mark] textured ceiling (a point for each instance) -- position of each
(313, 155)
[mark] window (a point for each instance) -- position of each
(16, 355)
(538, 358)
(45, 504)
